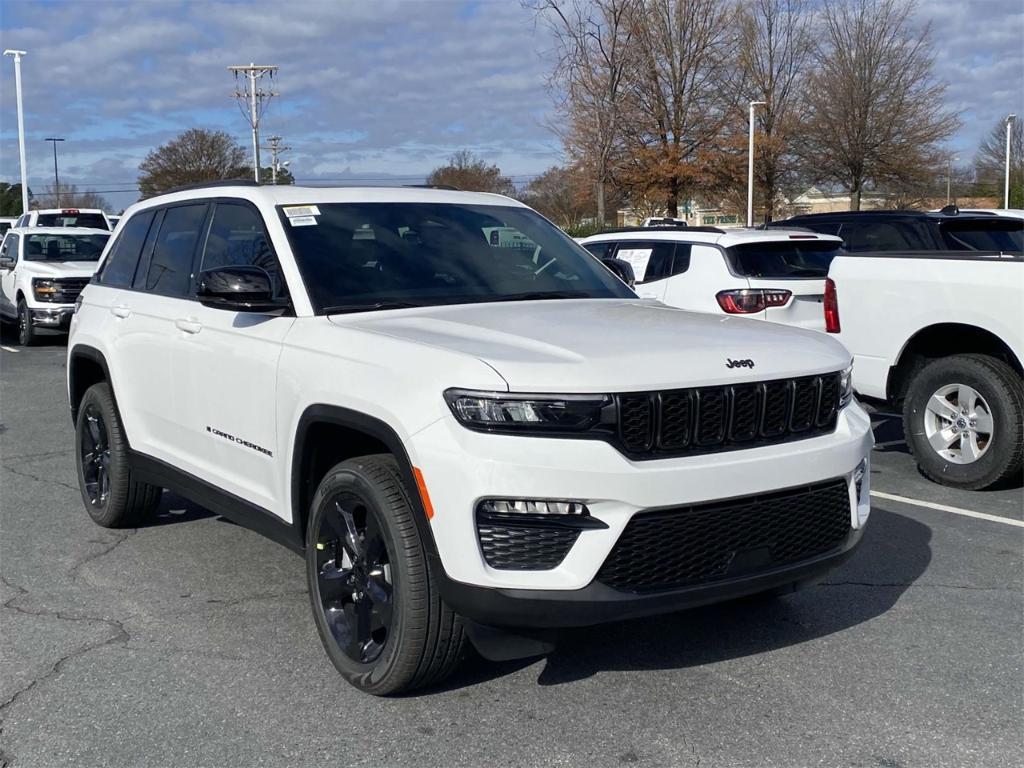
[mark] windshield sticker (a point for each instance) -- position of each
(302, 221)
(637, 259)
(297, 211)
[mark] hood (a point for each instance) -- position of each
(61, 268)
(609, 345)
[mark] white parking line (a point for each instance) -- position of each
(9, 349)
(945, 508)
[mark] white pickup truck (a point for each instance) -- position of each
(941, 334)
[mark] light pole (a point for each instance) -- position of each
(21, 125)
(949, 174)
(56, 178)
(750, 165)
(1006, 186)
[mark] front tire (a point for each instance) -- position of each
(963, 418)
(27, 334)
(113, 498)
(375, 605)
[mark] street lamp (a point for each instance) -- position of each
(750, 165)
(21, 125)
(56, 178)
(1006, 187)
(949, 174)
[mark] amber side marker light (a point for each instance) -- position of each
(421, 486)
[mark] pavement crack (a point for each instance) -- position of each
(256, 598)
(38, 479)
(77, 567)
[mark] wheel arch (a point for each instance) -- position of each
(86, 366)
(327, 434)
(942, 340)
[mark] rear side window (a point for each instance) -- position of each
(1005, 235)
(170, 266)
(118, 268)
(72, 218)
(883, 236)
(655, 260)
(600, 250)
(237, 238)
(788, 258)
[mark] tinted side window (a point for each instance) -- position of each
(10, 247)
(881, 236)
(650, 261)
(170, 266)
(600, 250)
(681, 258)
(237, 238)
(118, 268)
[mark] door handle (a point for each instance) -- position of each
(188, 326)
(120, 311)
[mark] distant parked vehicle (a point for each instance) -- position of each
(92, 218)
(947, 230)
(42, 272)
(942, 335)
(113, 219)
(664, 221)
(774, 275)
(6, 222)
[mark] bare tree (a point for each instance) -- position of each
(194, 156)
(594, 41)
(681, 94)
(469, 172)
(990, 162)
(776, 49)
(564, 194)
(70, 197)
(876, 114)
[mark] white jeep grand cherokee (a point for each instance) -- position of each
(467, 436)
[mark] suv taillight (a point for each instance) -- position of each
(831, 307)
(745, 301)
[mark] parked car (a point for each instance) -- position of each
(465, 439)
(6, 222)
(663, 221)
(940, 335)
(91, 218)
(42, 272)
(863, 231)
(774, 275)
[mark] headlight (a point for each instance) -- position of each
(43, 289)
(846, 387)
(514, 412)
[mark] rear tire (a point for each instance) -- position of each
(113, 498)
(376, 607)
(972, 450)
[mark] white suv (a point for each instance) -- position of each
(466, 435)
(42, 272)
(776, 274)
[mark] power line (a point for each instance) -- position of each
(250, 93)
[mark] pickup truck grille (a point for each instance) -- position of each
(708, 419)
(681, 547)
(68, 289)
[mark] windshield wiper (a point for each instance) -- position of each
(540, 295)
(344, 309)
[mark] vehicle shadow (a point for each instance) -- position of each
(174, 509)
(888, 429)
(894, 553)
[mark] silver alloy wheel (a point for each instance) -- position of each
(958, 423)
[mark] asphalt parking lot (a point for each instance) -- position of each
(190, 643)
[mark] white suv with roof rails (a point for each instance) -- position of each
(467, 435)
(774, 275)
(92, 218)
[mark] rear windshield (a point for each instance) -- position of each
(67, 219)
(985, 235)
(64, 247)
(791, 258)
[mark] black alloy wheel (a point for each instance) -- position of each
(94, 455)
(354, 577)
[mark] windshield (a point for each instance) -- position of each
(790, 258)
(64, 247)
(1006, 235)
(72, 219)
(360, 256)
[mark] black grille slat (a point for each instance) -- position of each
(681, 547)
(513, 547)
(707, 419)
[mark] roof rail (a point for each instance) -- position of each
(448, 187)
(214, 183)
(681, 229)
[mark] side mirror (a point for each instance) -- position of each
(239, 289)
(621, 269)
(6, 262)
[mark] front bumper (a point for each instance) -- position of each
(52, 317)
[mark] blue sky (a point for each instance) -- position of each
(368, 90)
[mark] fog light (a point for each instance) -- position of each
(532, 507)
(858, 477)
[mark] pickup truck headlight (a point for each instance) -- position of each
(846, 386)
(43, 289)
(514, 412)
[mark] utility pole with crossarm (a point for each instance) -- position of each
(253, 100)
(275, 150)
